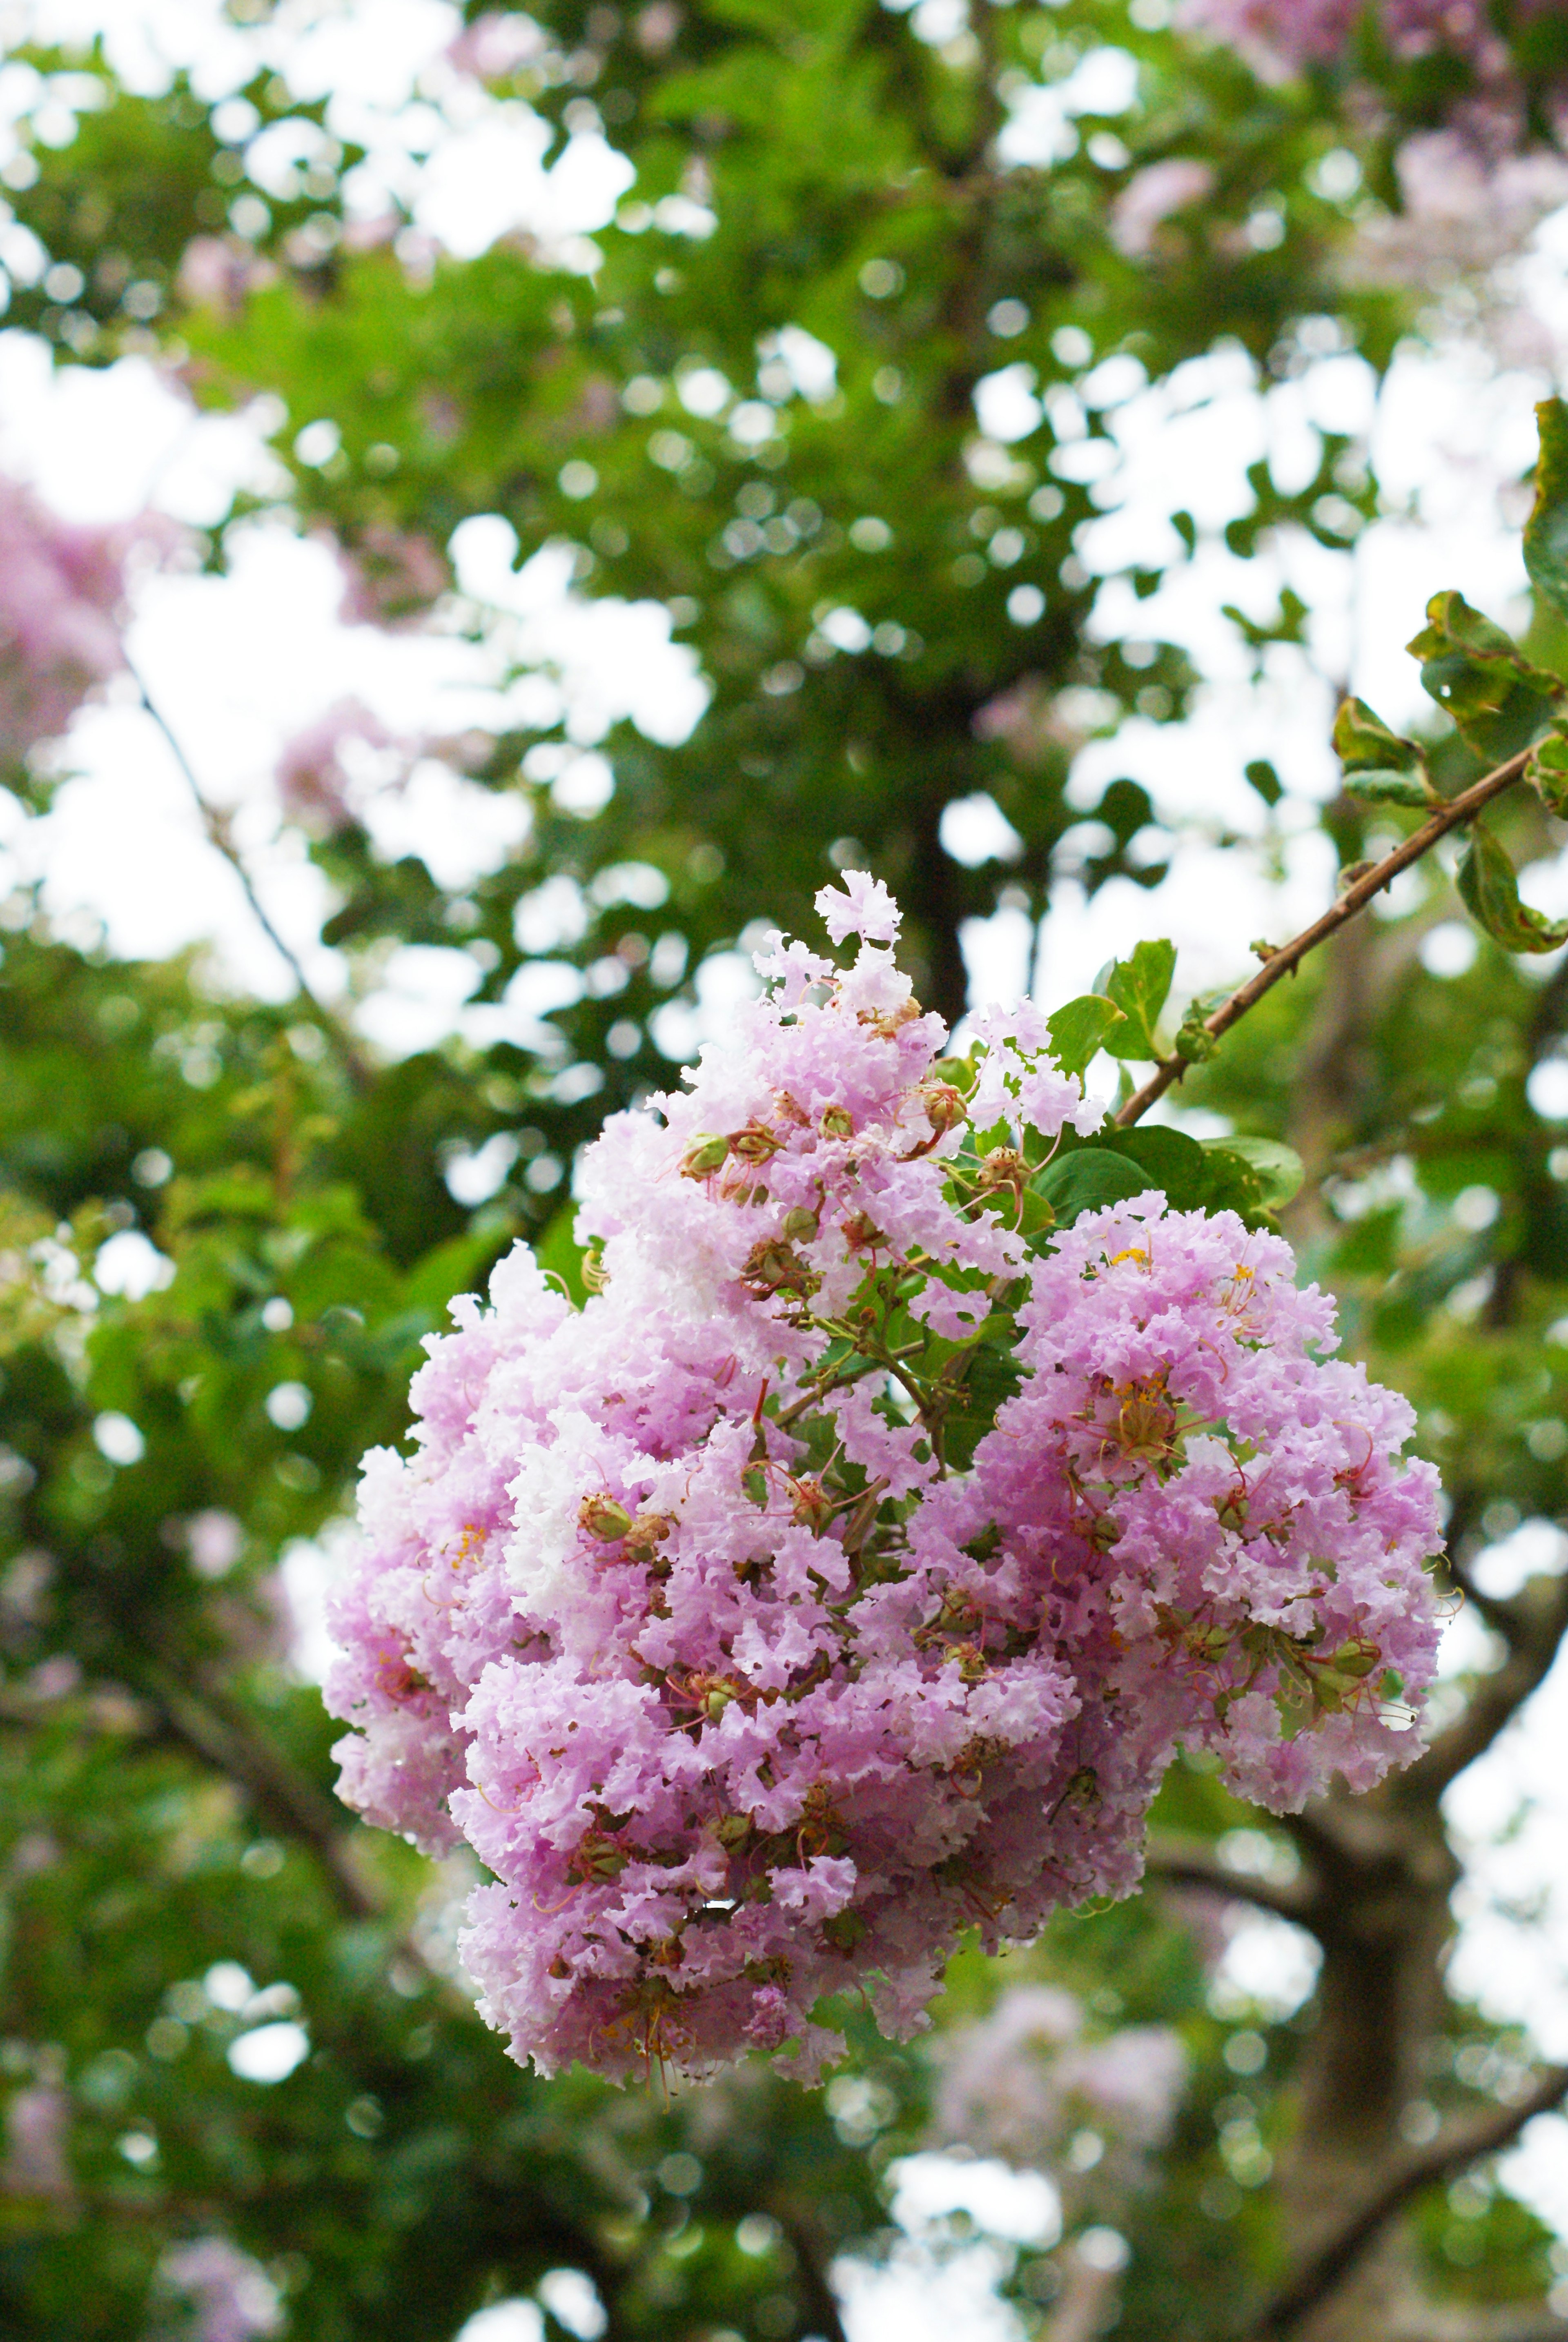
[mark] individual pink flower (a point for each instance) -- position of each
(749, 1661)
(864, 908)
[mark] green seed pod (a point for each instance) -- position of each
(704, 1157)
(604, 1518)
(800, 1226)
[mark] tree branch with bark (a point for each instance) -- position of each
(1454, 2148)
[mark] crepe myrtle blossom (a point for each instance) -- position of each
(226, 2296)
(1023, 2079)
(848, 1570)
(314, 784)
(1298, 33)
(62, 609)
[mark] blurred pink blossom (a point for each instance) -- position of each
(391, 577)
(312, 778)
(228, 2296)
(493, 47)
(1020, 2082)
(36, 2123)
(1149, 198)
(1469, 210)
(62, 597)
(1275, 35)
(219, 272)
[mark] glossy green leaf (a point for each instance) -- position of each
(1278, 1168)
(1546, 530)
(1491, 892)
(1079, 1030)
(1174, 1163)
(1498, 699)
(1087, 1179)
(1378, 765)
(1139, 985)
(992, 1377)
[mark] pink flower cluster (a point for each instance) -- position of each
(61, 591)
(692, 1615)
(1295, 33)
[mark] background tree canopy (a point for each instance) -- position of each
(813, 381)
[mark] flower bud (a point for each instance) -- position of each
(837, 1121)
(604, 1518)
(1356, 1658)
(812, 1506)
(945, 1108)
(755, 1144)
(800, 1226)
(704, 1157)
(1003, 1168)
(775, 1266)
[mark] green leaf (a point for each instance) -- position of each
(1491, 892)
(1278, 1169)
(1546, 530)
(1265, 780)
(1172, 1162)
(1078, 1029)
(1086, 1180)
(1548, 772)
(1247, 1176)
(1498, 700)
(1139, 986)
(992, 1378)
(559, 1253)
(1380, 765)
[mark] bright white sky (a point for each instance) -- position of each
(241, 664)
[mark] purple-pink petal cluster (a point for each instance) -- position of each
(1296, 33)
(848, 1570)
(62, 588)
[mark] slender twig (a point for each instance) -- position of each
(1355, 898)
(1454, 2149)
(217, 834)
